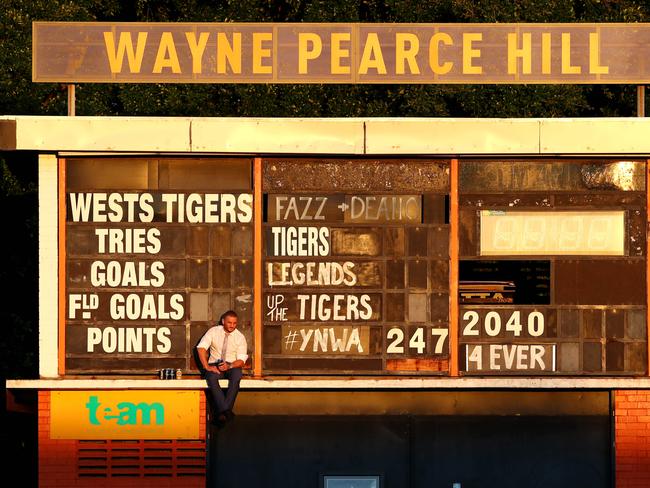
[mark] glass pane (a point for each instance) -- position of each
(351, 482)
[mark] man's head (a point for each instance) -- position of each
(229, 320)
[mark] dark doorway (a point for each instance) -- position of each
(413, 451)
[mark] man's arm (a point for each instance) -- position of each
(235, 364)
(241, 355)
(203, 357)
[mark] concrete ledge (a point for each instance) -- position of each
(343, 384)
(594, 136)
(182, 135)
(452, 136)
(328, 136)
(277, 135)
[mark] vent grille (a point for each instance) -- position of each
(141, 458)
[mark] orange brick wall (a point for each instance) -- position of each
(57, 459)
(632, 409)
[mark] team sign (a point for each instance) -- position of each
(340, 53)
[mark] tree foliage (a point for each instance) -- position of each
(25, 97)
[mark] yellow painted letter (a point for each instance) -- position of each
(567, 69)
(115, 57)
(260, 53)
(434, 53)
(525, 53)
(229, 52)
(166, 57)
(197, 49)
(338, 53)
(546, 53)
(403, 54)
(594, 56)
(305, 53)
(469, 53)
(372, 57)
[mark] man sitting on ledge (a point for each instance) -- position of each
(228, 353)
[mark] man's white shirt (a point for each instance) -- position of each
(213, 341)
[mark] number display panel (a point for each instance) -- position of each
(552, 267)
(569, 233)
(155, 250)
(356, 266)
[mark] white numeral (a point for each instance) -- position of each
(492, 323)
(473, 320)
(536, 324)
(417, 340)
(442, 337)
(395, 347)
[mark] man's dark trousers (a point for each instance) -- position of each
(222, 402)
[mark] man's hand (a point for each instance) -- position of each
(203, 356)
(223, 367)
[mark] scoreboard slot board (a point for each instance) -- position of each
(355, 264)
(552, 267)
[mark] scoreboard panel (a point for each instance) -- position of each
(355, 264)
(156, 250)
(552, 271)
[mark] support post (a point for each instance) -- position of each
(62, 264)
(71, 101)
(257, 266)
(453, 269)
(647, 267)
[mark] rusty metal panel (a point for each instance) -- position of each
(394, 241)
(545, 176)
(416, 365)
(356, 241)
(589, 282)
(362, 176)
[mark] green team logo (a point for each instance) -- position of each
(125, 413)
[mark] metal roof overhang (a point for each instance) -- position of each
(328, 136)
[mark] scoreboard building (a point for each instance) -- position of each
(427, 302)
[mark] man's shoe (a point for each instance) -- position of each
(230, 415)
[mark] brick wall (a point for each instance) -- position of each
(58, 464)
(632, 438)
